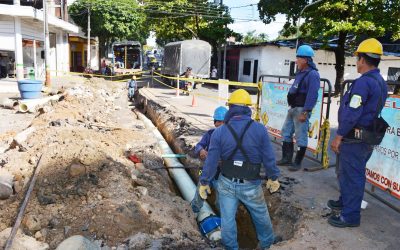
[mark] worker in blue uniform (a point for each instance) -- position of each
(360, 105)
(301, 98)
(201, 150)
(244, 147)
(202, 147)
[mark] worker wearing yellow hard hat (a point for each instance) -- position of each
(357, 133)
(244, 147)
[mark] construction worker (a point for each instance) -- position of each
(243, 146)
(132, 87)
(201, 150)
(202, 147)
(301, 98)
(360, 105)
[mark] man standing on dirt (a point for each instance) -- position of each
(301, 98)
(359, 109)
(243, 146)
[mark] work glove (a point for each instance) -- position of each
(204, 191)
(273, 186)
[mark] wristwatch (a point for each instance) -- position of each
(304, 113)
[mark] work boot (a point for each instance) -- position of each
(335, 205)
(287, 154)
(299, 158)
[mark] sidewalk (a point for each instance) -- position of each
(309, 192)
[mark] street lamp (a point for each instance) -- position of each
(298, 21)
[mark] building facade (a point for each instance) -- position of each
(22, 38)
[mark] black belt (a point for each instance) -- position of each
(237, 180)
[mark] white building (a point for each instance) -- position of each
(22, 38)
(271, 59)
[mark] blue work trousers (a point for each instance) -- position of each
(353, 159)
(252, 196)
(293, 126)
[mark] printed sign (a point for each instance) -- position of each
(383, 168)
(274, 108)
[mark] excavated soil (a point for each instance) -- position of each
(86, 184)
(182, 137)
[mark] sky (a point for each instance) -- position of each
(251, 12)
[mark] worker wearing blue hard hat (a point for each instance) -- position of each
(301, 99)
(201, 150)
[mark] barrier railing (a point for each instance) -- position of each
(320, 150)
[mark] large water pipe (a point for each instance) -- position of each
(206, 217)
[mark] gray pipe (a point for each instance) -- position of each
(181, 177)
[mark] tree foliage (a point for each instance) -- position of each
(111, 20)
(336, 19)
(175, 20)
(251, 37)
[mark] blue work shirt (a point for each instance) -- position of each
(368, 91)
(204, 143)
(256, 143)
(310, 86)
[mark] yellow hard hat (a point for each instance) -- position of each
(371, 47)
(240, 97)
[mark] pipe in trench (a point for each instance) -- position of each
(181, 178)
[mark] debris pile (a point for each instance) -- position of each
(87, 185)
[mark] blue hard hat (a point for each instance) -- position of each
(219, 113)
(305, 51)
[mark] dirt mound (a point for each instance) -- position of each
(86, 185)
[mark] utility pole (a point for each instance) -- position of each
(224, 61)
(88, 40)
(46, 44)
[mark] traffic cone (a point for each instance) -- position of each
(194, 103)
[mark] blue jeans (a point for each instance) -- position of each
(131, 92)
(252, 196)
(353, 158)
(292, 125)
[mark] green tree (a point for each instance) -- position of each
(111, 20)
(175, 20)
(336, 19)
(251, 37)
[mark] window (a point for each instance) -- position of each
(246, 68)
(292, 68)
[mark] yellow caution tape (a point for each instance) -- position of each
(325, 133)
(232, 83)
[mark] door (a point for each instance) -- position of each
(255, 70)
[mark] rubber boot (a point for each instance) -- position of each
(287, 154)
(299, 158)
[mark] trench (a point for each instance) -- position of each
(284, 216)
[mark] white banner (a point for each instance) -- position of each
(274, 108)
(383, 168)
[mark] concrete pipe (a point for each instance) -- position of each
(30, 105)
(185, 183)
(8, 103)
(6, 182)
